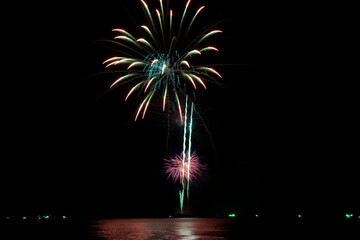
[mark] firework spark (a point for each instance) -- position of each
(157, 64)
(174, 168)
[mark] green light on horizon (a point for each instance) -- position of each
(63, 217)
(299, 216)
(169, 216)
(348, 216)
(24, 218)
(232, 215)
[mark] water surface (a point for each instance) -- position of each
(164, 228)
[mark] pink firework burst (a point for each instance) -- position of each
(191, 170)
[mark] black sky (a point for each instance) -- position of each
(66, 147)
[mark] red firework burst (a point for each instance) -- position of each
(191, 170)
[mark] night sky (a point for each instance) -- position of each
(67, 146)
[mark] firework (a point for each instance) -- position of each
(163, 62)
(174, 168)
(160, 61)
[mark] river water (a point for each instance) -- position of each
(164, 228)
(134, 229)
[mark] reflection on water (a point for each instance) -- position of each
(172, 228)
